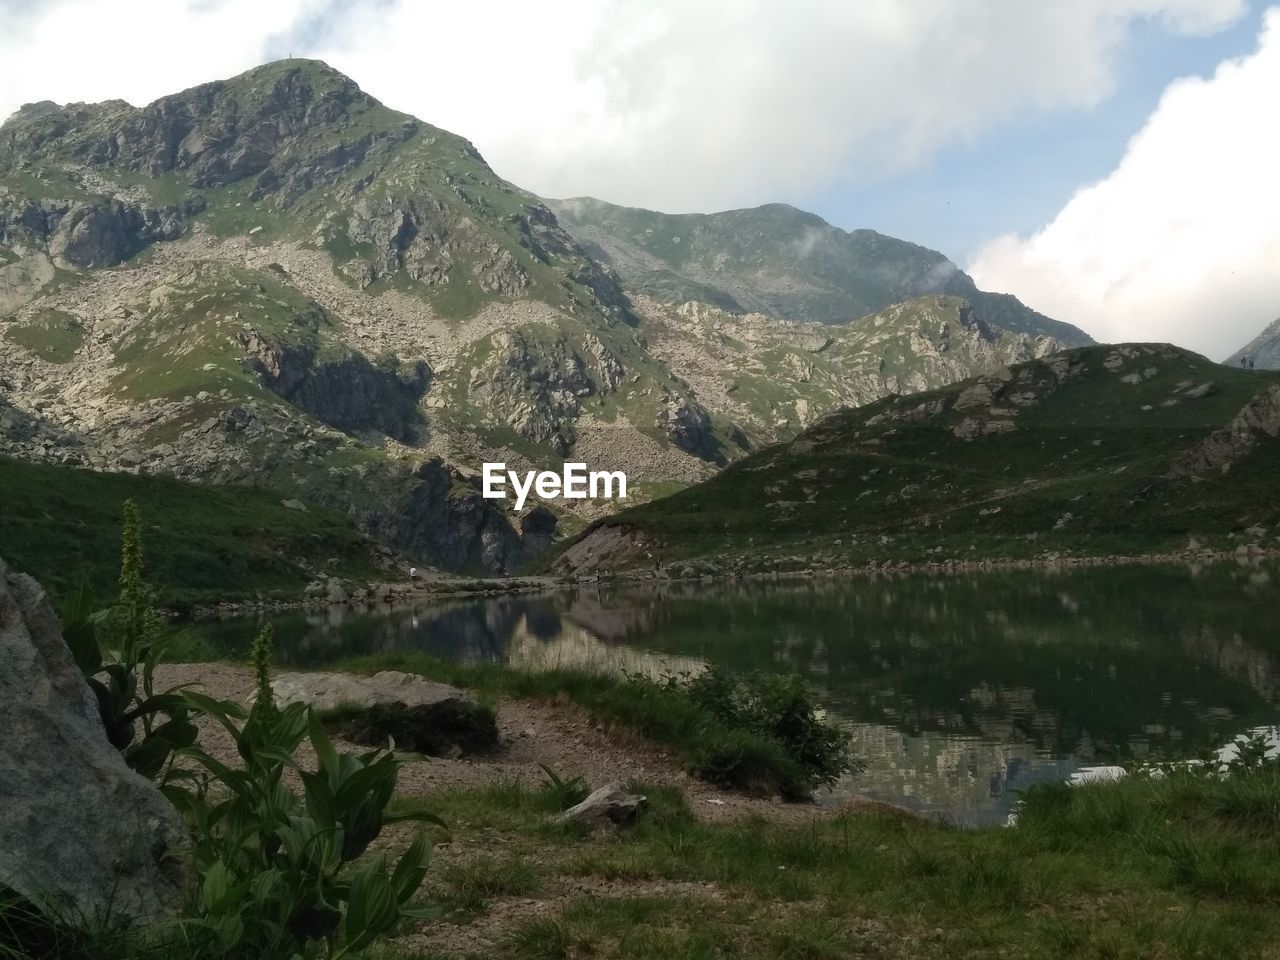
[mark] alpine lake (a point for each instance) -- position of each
(959, 690)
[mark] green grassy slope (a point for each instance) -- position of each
(1183, 867)
(202, 541)
(1081, 464)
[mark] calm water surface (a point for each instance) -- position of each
(959, 691)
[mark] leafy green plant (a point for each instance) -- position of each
(260, 661)
(284, 875)
(118, 651)
(559, 793)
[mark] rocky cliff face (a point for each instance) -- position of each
(534, 382)
(1257, 422)
(347, 392)
(99, 233)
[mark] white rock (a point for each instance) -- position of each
(611, 803)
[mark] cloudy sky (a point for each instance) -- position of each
(1111, 162)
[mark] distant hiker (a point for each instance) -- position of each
(1244, 363)
(1251, 363)
(413, 574)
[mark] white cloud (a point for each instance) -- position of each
(135, 50)
(1182, 241)
(673, 104)
(698, 106)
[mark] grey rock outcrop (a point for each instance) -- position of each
(1217, 453)
(442, 515)
(326, 691)
(610, 804)
(78, 828)
(686, 424)
(98, 234)
(536, 386)
(537, 530)
(349, 392)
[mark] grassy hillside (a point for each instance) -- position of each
(783, 262)
(1086, 452)
(202, 541)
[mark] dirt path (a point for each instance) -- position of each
(558, 734)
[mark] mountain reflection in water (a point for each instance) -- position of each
(958, 691)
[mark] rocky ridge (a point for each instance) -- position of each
(775, 377)
(784, 263)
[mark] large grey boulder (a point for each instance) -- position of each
(78, 828)
(327, 691)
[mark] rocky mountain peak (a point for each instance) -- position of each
(31, 111)
(219, 132)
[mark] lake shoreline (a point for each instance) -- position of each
(403, 593)
(1014, 673)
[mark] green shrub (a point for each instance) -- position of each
(743, 760)
(780, 709)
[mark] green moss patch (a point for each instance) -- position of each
(53, 336)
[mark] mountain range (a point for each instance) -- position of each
(275, 280)
(783, 262)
